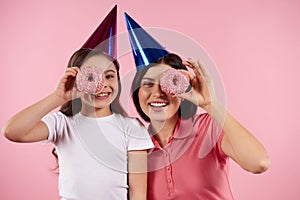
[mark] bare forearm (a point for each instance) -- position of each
(239, 143)
(21, 123)
(138, 190)
(137, 169)
(137, 196)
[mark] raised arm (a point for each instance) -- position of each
(26, 126)
(238, 143)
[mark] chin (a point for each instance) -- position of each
(157, 117)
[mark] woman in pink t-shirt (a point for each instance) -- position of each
(191, 155)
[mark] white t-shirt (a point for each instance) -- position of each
(92, 154)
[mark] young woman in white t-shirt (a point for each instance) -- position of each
(102, 153)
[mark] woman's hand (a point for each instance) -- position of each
(65, 89)
(237, 141)
(202, 93)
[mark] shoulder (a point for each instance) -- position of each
(206, 122)
(58, 125)
(133, 127)
(57, 119)
(129, 121)
(58, 115)
(202, 118)
(212, 134)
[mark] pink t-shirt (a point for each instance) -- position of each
(192, 165)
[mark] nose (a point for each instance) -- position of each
(101, 84)
(156, 91)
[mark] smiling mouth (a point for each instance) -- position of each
(102, 95)
(158, 104)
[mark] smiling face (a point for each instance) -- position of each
(157, 105)
(102, 99)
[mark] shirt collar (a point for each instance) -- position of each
(183, 129)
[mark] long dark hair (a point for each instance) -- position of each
(186, 110)
(74, 106)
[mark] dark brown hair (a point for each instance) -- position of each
(186, 109)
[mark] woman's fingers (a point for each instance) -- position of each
(202, 68)
(195, 69)
(198, 66)
(188, 73)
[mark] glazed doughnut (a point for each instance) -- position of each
(89, 79)
(173, 81)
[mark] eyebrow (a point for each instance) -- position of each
(110, 70)
(149, 79)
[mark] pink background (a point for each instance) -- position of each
(254, 44)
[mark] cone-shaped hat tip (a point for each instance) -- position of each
(144, 47)
(103, 37)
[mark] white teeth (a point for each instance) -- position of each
(158, 104)
(102, 95)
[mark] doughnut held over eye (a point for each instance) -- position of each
(90, 79)
(173, 81)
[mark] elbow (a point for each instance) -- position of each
(261, 166)
(9, 134)
(264, 165)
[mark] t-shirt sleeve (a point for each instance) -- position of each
(138, 136)
(218, 132)
(219, 148)
(55, 124)
(213, 135)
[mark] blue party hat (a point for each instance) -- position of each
(144, 47)
(103, 37)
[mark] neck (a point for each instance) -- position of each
(95, 112)
(163, 130)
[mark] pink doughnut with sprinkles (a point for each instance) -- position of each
(173, 81)
(89, 79)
